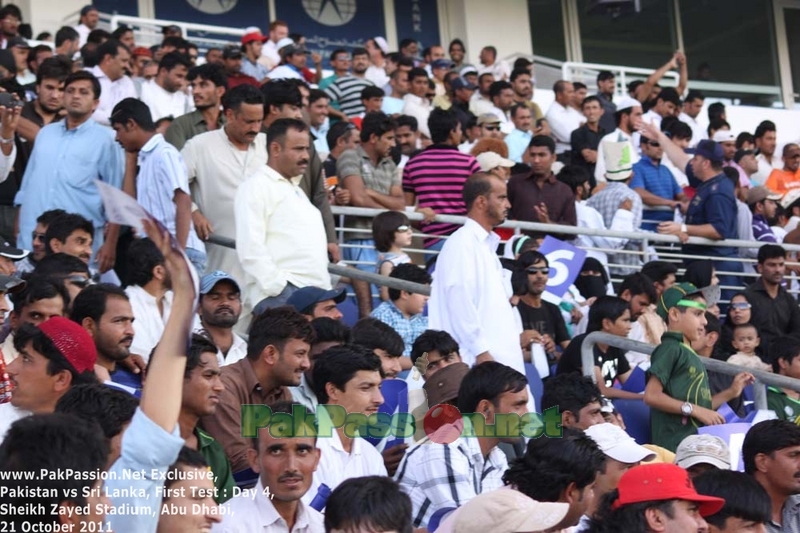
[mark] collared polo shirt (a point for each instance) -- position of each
(380, 178)
(714, 203)
(524, 193)
(187, 126)
(657, 180)
(217, 461)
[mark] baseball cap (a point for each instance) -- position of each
(461, 83)
(209, 281)
(662, 482)
(703, 449)
(74, 342)
(442, 63)
(304, 298)
(759, 194)
(488, 118)
(17, 41)
(708, 149)
(468, 69)
(504, 510)
(675, 297)
(617, 444)
(287, 47)
(790, 197)
(15, 254)
(11, 283)
(627, 103)
(141, 51)
(740, 154)
(724, 136)
(490, 160)
(254, 36)
(443, 386)
(231, 52)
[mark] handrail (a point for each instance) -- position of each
(570, 230)
(762, 378)
(184, 26)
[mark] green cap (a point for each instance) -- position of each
(675, 297)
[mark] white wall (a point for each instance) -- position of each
(47, 15)
(503, 24)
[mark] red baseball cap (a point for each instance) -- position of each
(141, 51)
(660, 482)
(74, 342)
(253, 36)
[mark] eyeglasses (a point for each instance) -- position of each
(37, 236)
(538, 270)
(79, 281)
(741, 305)
(654, 144)
(403, 228)
(492, 128)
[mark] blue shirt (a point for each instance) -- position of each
(61, 173)
(517, 142)
(148, 451)
(714, 203)
(657, 180)
(408, 328)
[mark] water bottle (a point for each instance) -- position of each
(319, 501)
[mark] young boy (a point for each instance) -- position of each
(677, 383)
(745, 341)
(785, 352)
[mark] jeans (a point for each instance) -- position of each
(198, 260)
(367, 258)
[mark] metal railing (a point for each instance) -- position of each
(148, 31)
(763, 379)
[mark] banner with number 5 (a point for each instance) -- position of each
(565, 264)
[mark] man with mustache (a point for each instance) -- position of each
(286, 468)
(105, 312)
(280, 235)
(219, 309)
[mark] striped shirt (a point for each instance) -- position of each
(436, 176)
(347, 92)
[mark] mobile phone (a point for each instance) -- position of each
(8, 100)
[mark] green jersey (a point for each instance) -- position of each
(683, 376)
(785, 407)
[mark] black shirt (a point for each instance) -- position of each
(773, 318)
(329, 165)
(611, 363)
(545, 319)
(607, 121)
(583, 138)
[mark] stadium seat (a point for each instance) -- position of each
(636, 415)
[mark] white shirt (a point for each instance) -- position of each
(236, 352)
(420, 109)
(253, 511)
(111, 93)
(765, 168)
(161, 174)
(499, 69)
(83, 33)
(10, 414)
(698, 132)
(470, 297)
(336, 465)
(216, 168)
(284, 72)
(280, 237)
(149, 324)
(270, 52)
(563, 121)
(615, 136)
(165, 104)
(589, 217)
(651, 117)
(377, 75)
(478, 105)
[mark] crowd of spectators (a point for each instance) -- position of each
(132, 397)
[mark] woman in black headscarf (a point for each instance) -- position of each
(592, 282)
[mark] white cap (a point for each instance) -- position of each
(627, 102)
(286, 41)
(703, 449)
(617, 444)
(790, 197)
(382, 44)
(467, 69)
(490, 160)
(504, 510)
(724, 136)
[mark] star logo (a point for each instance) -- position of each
(330, 12)
(213, 7)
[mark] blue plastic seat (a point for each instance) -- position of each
(636, 415)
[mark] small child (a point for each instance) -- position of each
(678, 390)
(391, 231)
(746, 340)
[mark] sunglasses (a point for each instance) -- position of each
(79, 281)
(538, 270)
(37, 236)
(403, 228)
(654, 144)
(741, 305)
(492, 128)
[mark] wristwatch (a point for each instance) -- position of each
(687, 409)
(684, 229)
